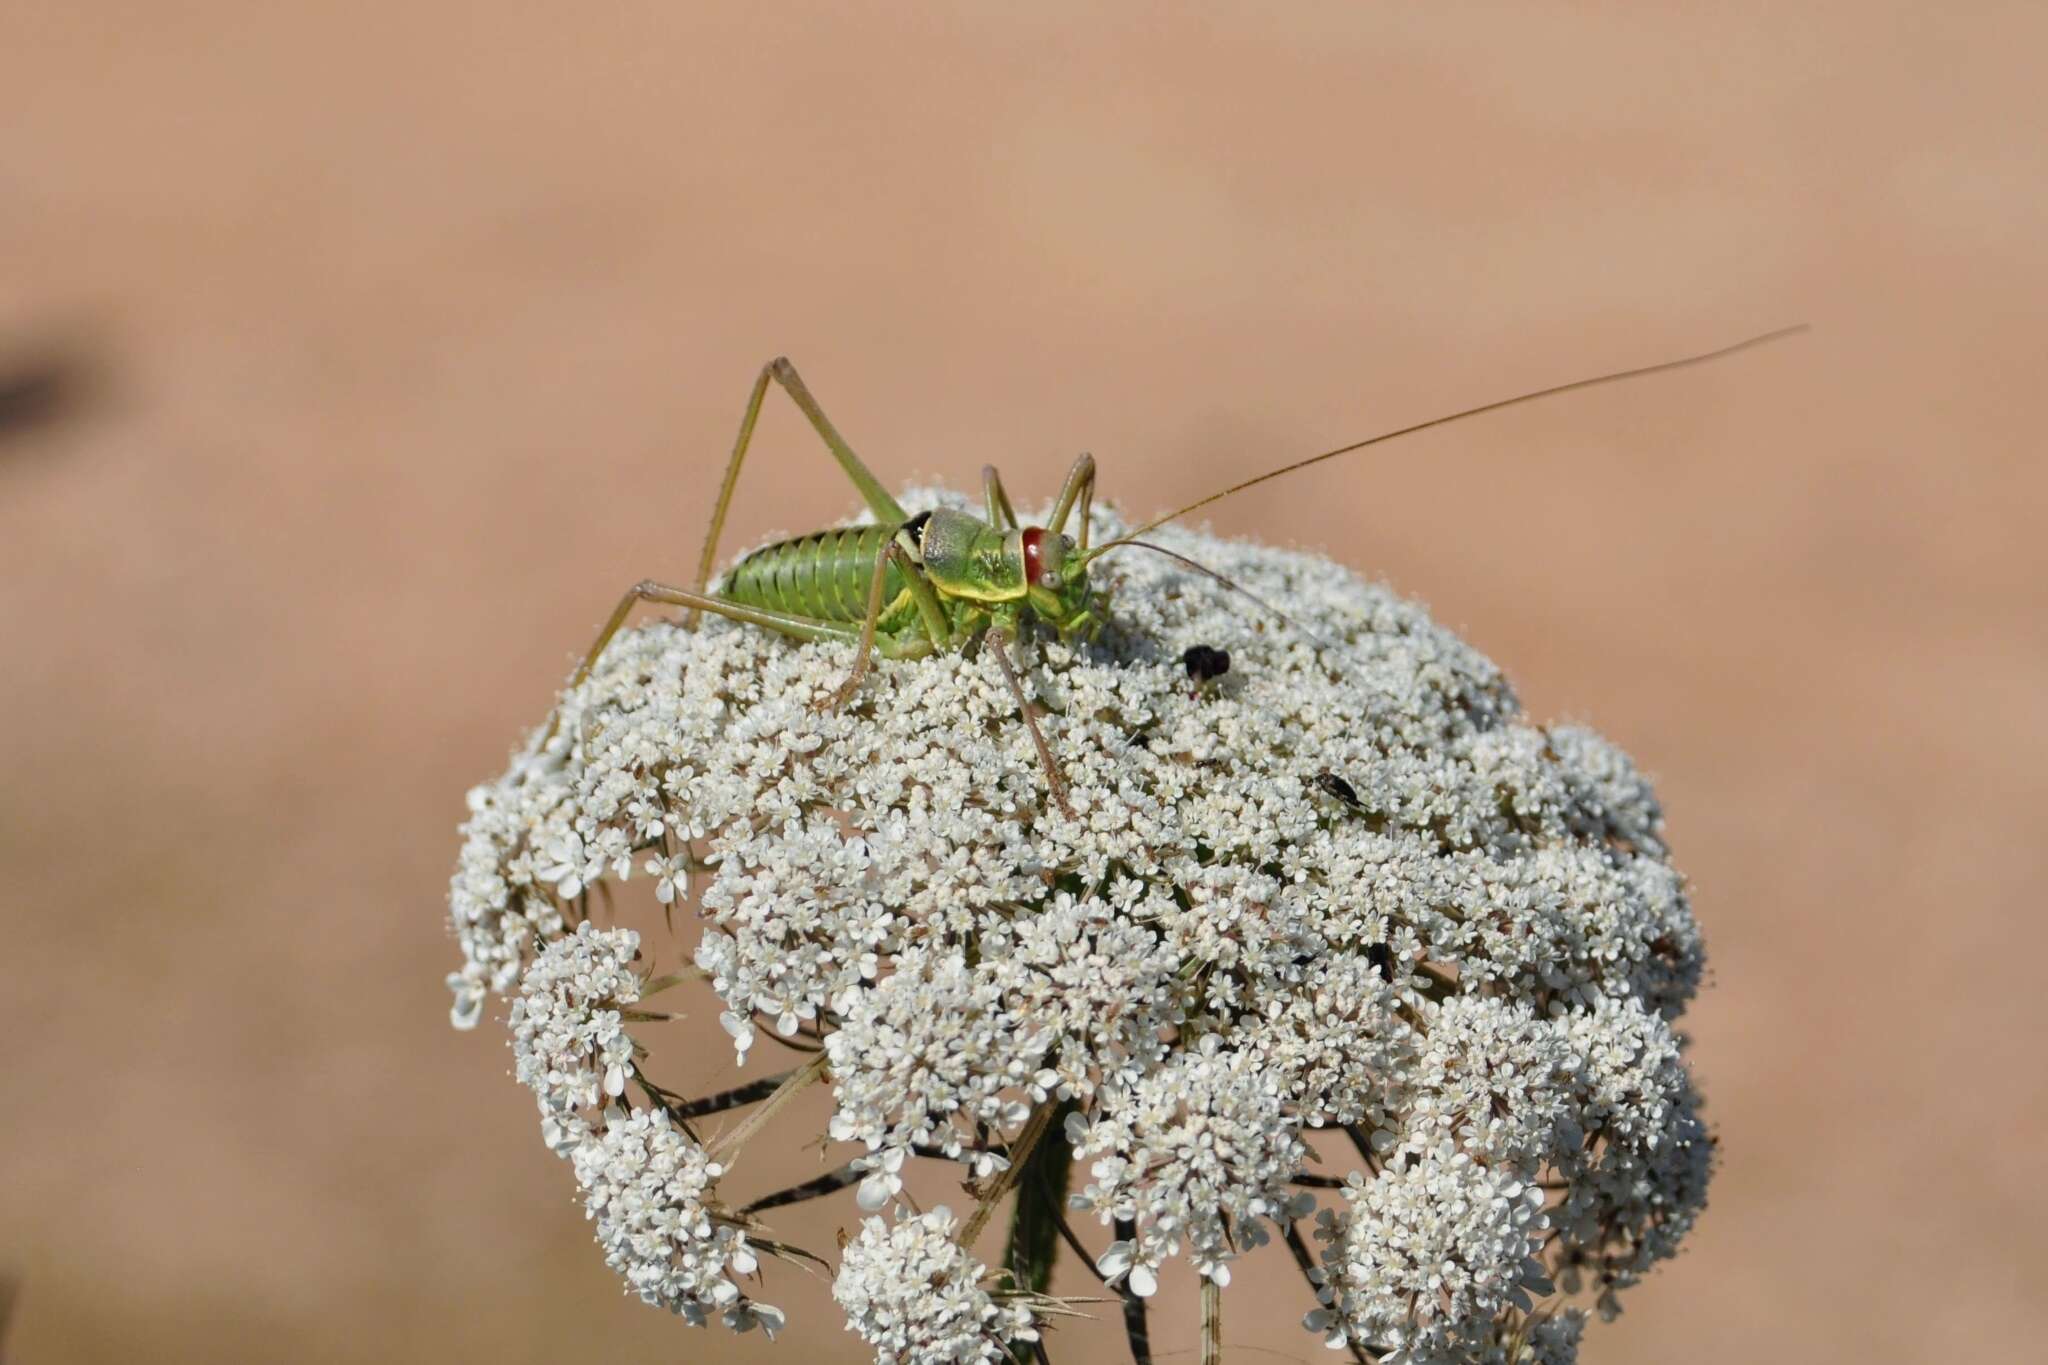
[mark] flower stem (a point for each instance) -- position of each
(1035, 1223)
(675, 978)
(1006, 1179)
(727, 1099)
(1136, 1331)
(809, 1189)
(1212, 1323)
(728, 1147)
(1041, 1194)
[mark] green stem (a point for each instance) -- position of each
(1035, 1223)
(1041, 1194)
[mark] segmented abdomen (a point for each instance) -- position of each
(824, 575)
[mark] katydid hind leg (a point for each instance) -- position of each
(886, 509)
(782, 622)
(708, 560)
(647, 590)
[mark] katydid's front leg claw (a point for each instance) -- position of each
(1058, 788)
(838, 698)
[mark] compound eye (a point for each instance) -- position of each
(1033, 543)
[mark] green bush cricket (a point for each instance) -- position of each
(912, 586)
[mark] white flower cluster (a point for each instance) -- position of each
(1095, 983)
(647, 1185)
(649, 1189)
(916, 1296)
(1200, 1148)
(1346, 886)
(1638, 1178)
(1338, 1041)
(923, 1058)
(1493, 1077)
(1425, 1259)
(569, 1042)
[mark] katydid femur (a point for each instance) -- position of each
(913, 586)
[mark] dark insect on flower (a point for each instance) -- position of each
(1382, 957)
(1332, 785)
(1204, 663)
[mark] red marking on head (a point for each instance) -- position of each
(1034, 556)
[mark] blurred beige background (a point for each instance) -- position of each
(353, 357)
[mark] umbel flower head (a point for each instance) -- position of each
(1338, 949)
(913, 1293)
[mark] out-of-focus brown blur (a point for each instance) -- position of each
(354, 357)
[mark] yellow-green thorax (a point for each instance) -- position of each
(965, 557)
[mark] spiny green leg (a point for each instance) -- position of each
(998, 640)
(708, 560)
(1087, 625)
(933, 617)
(647, 590)
(886, 509)
(1080, 485)
(1001, 514)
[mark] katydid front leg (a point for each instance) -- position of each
(930, 615)
(998, 639)
(1000, 513)
(1080, 486)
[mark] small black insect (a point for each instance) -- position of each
(1382, 957)
(1204, 663)
(1333, 785)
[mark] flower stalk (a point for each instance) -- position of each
(727, 1148)
(1006, 1179)
(1036, 1221)
(1041, 1195)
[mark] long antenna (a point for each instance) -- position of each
(1494, 406)
(1231, 584)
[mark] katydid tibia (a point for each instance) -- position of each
(912, 586)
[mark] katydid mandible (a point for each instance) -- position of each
(913, 586)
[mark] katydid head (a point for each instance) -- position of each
(1055, 565)
(965, 557)
(1055, 573)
